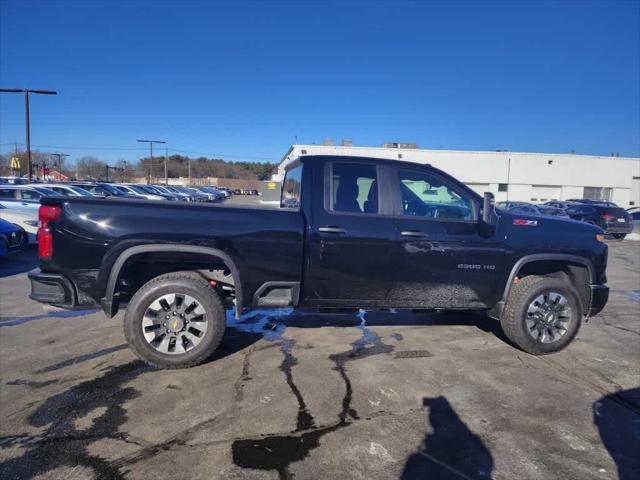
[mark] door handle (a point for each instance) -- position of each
(331, 230)
(412, 233)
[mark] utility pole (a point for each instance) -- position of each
(151, 142)
(26, 108)
(166, 155)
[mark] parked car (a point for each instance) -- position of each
(227, 192)
(211, 192)
(590, 201)
(156, 191)
(613, 220)
(531, 209)
(13, 181)
(104, 190)
(68, 190)
(552, 211)
(194, 194)
(12, 238)
(635, 219)
(519, 207)
(558, 204)
(187, 197)
(25, 218)
(140, 191)
(424, 241)
(23, 193)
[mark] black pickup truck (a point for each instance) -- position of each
(350, 233)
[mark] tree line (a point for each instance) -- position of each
(92, 168)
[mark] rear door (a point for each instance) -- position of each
(443, 261)
(351, 236)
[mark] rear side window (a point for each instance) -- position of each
(354, 188)
(30, 194)
(291, 188)
(7, 193)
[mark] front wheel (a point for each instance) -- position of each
(175, 320)
(542, 314)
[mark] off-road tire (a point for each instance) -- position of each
(188, 283)
(521, 295)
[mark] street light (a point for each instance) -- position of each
(151, 142)
(26, 106)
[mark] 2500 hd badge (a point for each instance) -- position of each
(475, 266)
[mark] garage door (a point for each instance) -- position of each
(544, 193)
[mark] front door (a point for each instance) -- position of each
(351, 238)
(443, 261)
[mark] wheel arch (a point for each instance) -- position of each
(580, 271)
(110, 304)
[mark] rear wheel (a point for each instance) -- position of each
(619, 236)
(542, 314)
(175, 321)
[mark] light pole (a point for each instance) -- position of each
(26, 106)
(151, 142)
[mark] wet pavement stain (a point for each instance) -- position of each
(277, 452)
(62, 443)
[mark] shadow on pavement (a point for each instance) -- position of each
(451, 450)
(19, 262)
(617, 417)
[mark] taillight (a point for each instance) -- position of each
(46, 214)
(606, 216)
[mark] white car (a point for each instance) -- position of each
(68, 190)
(139, 191)
(25, 217)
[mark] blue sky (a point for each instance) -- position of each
(242, 80)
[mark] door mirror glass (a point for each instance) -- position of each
(489, 209)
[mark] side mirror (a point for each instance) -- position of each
(489, 216)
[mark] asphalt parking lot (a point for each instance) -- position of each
(398, 395)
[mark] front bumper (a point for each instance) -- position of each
(52, 288)
(599, 297)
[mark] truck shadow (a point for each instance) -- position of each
(450, 450)
(270, 324)
(617, 417)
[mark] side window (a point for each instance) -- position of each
(30, 195)
(426, 195)
(7, 193)
(61, 191)
(291, 188)
(354, 188)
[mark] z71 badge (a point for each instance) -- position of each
(525, 223)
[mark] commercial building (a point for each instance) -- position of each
(516, 176)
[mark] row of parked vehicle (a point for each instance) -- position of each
(613, 219)
(19, 203)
